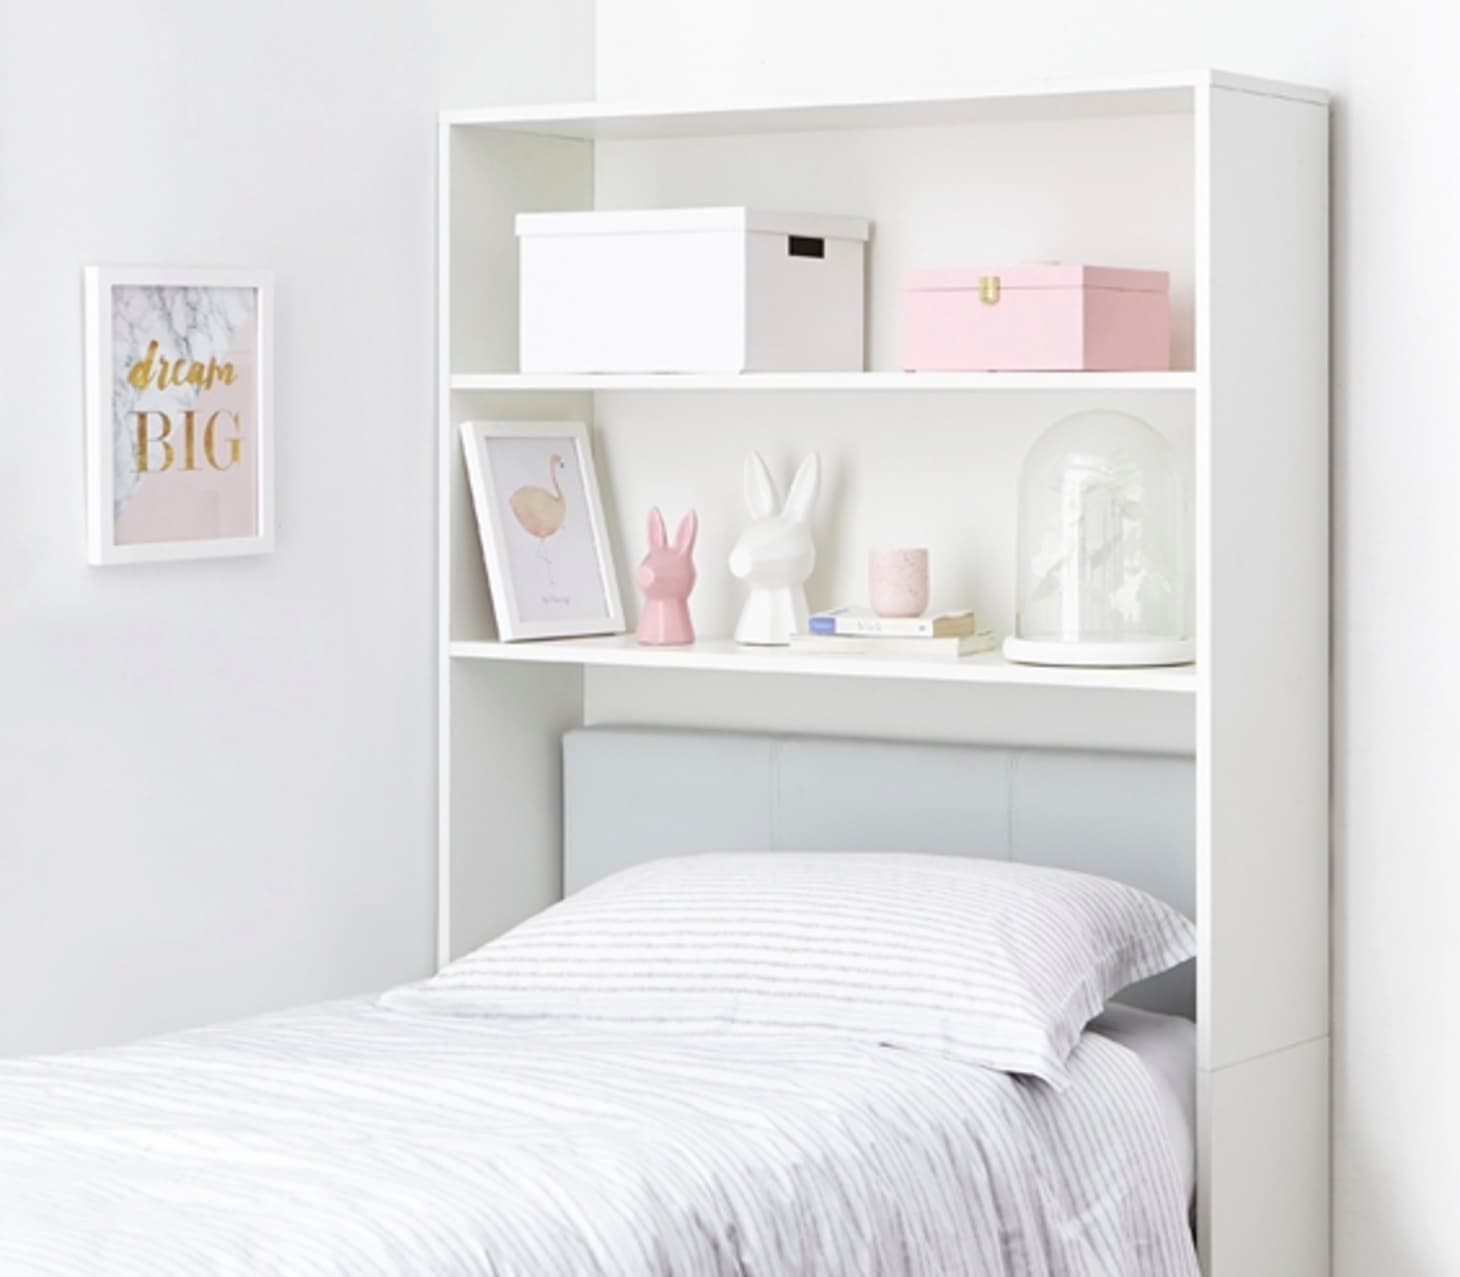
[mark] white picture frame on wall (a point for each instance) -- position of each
(179, 413)
(550, 567)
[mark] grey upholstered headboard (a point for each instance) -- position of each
(634, 794)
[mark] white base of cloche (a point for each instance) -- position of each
(1108, 655)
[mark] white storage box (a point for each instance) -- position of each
(691, 290)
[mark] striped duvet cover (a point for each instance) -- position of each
(354, 1140)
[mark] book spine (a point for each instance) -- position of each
(916, 649)
(873, 626)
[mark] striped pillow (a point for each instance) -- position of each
(996, 963)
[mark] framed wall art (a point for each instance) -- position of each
(540, 516)
(179, 413)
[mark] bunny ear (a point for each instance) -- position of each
(803, 490)
(684, 537)
(760, 489)
(658, 537)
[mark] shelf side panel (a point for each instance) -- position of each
(1262, 519)
(502, 831)
(1263, 682)
(1265, 1168)
(499, 840)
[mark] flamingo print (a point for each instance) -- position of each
(540, 512)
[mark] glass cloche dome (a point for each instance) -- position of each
(1103, 570)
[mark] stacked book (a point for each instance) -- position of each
(850, 631)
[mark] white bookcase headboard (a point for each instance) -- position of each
(1221, 180)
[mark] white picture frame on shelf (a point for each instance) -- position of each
(539, 514)
(179, 413)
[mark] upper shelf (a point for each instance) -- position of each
(829, 381)
(726, 656)
(1032, 100)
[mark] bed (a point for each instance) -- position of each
(381, 1136)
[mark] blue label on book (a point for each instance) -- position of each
(823, 625)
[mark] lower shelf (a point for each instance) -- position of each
(726, 656)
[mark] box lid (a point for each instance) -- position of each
(630, 221)
(1036, 275)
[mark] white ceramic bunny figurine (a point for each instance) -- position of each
(775, 554)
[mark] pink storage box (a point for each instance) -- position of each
(1039, 317)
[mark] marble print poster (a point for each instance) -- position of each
(177, 407)
(184, 396)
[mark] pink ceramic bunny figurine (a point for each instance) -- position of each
(666, 576)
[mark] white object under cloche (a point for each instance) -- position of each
(1103, 566)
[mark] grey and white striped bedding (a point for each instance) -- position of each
(363, 1141)
(987, 961)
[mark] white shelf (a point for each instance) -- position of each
(1029, 100)
(727, 656)
(910, 382)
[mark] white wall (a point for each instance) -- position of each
(788, 48)
(217, 779)
(1397, 454)
(1398, 689)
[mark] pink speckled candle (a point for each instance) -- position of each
(897, 582)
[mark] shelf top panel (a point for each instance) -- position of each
(1052, 99)
(910, 382)
(727, 656)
